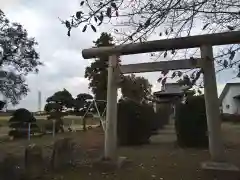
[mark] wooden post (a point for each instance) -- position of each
(29, 131)
(54, 128)
(212, 105)
(111, 117)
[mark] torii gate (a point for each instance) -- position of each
(206, 62)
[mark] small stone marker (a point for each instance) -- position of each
(34, 165)
(10, 169)
(62, 153)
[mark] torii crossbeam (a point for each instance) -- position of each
(206, 62)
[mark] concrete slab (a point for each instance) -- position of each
(219, 166)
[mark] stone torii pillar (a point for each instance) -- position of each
(212, 104)
(111, 117)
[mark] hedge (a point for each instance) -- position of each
(191, 123)
(136, 122)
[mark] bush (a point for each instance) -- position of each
(19, 123)
(135, 123)
(191, 123)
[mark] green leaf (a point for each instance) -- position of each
(130, 38)
(113, 4)
(232, 55)
(231, 28)
(165, 54)
(164, 81)
(225, 63)
(82, 3)
(147, 23)
(79, 14)
(109, 12)
(205, 26)
(159, 79)
(69, 32)
(93, 28)
(95, 19)
(100, 18)
(68, 25)
(174, 75)
(84, 28)
(166, 32)
(179, 73)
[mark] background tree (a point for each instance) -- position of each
(18, 58)
(57, 106)
(81, 105)
(97, 71)
(19, 123)
(138, 20)
(135, 88)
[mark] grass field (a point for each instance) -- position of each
(75, 121)
(42, 119)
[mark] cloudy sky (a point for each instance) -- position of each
(63, 63)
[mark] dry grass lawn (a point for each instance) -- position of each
(161, 160)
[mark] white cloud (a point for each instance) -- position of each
(8, 3)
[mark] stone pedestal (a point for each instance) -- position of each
(220, 170)
(34, 166)
(62, 153)
(10, 168)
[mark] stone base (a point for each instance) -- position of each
(219, 166)
(220, 171)
(121, 161)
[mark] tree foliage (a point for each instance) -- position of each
(191, 123)
(17, 59)
(134, 123)
(137, 20)
(132, 87)
(135, 88)
(81, 104)
(19, 123)
(59, 101)
(57, 106)
(97, 71)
